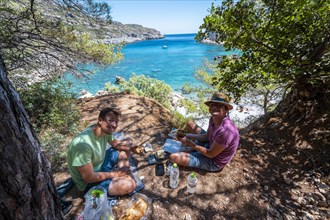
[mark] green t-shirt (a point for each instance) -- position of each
(84, 149)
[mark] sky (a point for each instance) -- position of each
(166, 16)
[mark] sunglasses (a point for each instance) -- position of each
(218, 105)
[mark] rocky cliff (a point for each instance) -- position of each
(117, 32)
(104, 31)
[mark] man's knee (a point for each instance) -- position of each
(174, 157)
(133, 185)
(192, 127)
(123, 155)
(122, 187)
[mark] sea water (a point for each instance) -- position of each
(174, 65)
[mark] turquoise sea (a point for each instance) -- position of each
(174, 65)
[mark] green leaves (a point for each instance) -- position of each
(149, 87)
(49, 104)
(47, 39)
(97, 193)
(281, 41)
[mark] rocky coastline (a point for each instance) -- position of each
(118, 33)
(105, 31)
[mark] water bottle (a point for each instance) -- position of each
(192, 182)
(168, 168)
(174, 176)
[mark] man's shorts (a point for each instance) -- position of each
(109, 164)
(200, 161)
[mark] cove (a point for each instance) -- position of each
(172, 60)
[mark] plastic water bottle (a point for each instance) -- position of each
(168, 168)
(174, 176)
(192, 182)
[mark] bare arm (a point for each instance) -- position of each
(89, 176)
(213, 151)
(198, 137)
(122, 145)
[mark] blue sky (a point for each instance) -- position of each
(166, 16)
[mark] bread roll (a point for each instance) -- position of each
(136, 212)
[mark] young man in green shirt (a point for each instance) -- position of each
(91, 164)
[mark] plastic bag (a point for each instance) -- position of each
(96, 206)
(138, 208)
(118, 136)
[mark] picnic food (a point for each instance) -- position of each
(160, 154)
(137, 210)
(138, 149)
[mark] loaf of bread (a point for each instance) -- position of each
(138, 149)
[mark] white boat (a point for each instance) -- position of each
(164, 46)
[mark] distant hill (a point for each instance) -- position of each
(105, 31)
(118, 32)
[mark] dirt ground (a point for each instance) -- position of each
(275, 174)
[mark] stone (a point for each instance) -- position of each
(313, 209)
(119, 79)
(87, 95)
(309, 198)
(302, 201)
(288, 217)
(322, 203)
(287, 180)
(307, 215)
(101, 92)
(187, 216)
(318, 196)
(83, 92)
(273, 212)
(273, 193)
(323, 188)
(295, 191)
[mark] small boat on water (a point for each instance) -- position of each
(164, 46)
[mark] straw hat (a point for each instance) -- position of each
(219, 97)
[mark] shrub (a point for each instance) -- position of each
(187, 88)
(54, 146)
(179, 121)
(111, 88)
(50, 104)
(53, 114)
(189, 105)
(148, 87)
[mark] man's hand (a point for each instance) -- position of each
(123, 145)
(184, 140)
(125, 169)
(115, 143)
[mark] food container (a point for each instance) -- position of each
(160, 154)
(147, 147)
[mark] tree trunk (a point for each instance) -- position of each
(27, 189)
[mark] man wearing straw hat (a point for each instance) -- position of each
(222, 139)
